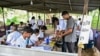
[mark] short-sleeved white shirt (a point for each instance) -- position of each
(21, 42)
(12, 37)
(35, 26)
(33, 39)
(62, 24)
(32, 21)
(40, 22)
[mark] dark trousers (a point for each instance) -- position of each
(63, 45)
(68, 45)
(71, 47)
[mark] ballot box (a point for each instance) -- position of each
(13, 51)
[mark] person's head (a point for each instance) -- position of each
(39, 17)
(43, 28)
(12, 23)
(57, 21)
(65, 15)
(36, 31)
(27, 32)
(53, 15)
(21, 23)
(33, 17)
(79, 19)
(14, 28)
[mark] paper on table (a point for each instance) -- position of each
(38, 48)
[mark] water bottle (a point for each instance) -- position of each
(47, 40)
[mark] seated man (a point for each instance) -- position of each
(34, 37)
(12, 37)
(21, 26)
(22, 40)
(42, 32)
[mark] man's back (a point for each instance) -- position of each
(12, 37)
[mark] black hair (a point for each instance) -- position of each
(79, 19)
(12, 23)
(33, 17)
(44, 27)
(21, 23)
(28, 30)
(36, 31)
(65, 12)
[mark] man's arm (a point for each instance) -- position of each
(70, 27)
(69, 31)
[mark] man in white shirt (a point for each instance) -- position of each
(32, 21)
(91, 35)
(34, 37)
(13, 36)
(42, 32)
(91, 40)
(39, 22)
(78, 27)
(35, 26)
(22, 40)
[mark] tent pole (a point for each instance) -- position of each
(85, 11)
(4, 19)
(98, 19)
(44, 17)
(32, 13)
(44, 12)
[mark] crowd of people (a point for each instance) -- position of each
(67, 30)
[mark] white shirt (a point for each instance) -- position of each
(57, 27)
(62, 24)
(78, 22)
(78, 25)
(21, 42)
(91, 34)
(40, 22)
(33, 39)
(41, 34)
(12, 37)
(34, 26)
(32, 21)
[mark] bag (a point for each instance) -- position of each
(59, 43)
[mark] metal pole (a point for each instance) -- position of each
(98, 19)
(4, 19)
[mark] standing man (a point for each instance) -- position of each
(54, 19)
(69, 36)
(40, 22)
(32, 21)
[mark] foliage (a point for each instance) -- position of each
(95, 15)
(14, 19)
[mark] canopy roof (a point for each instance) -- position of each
(74, 6)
